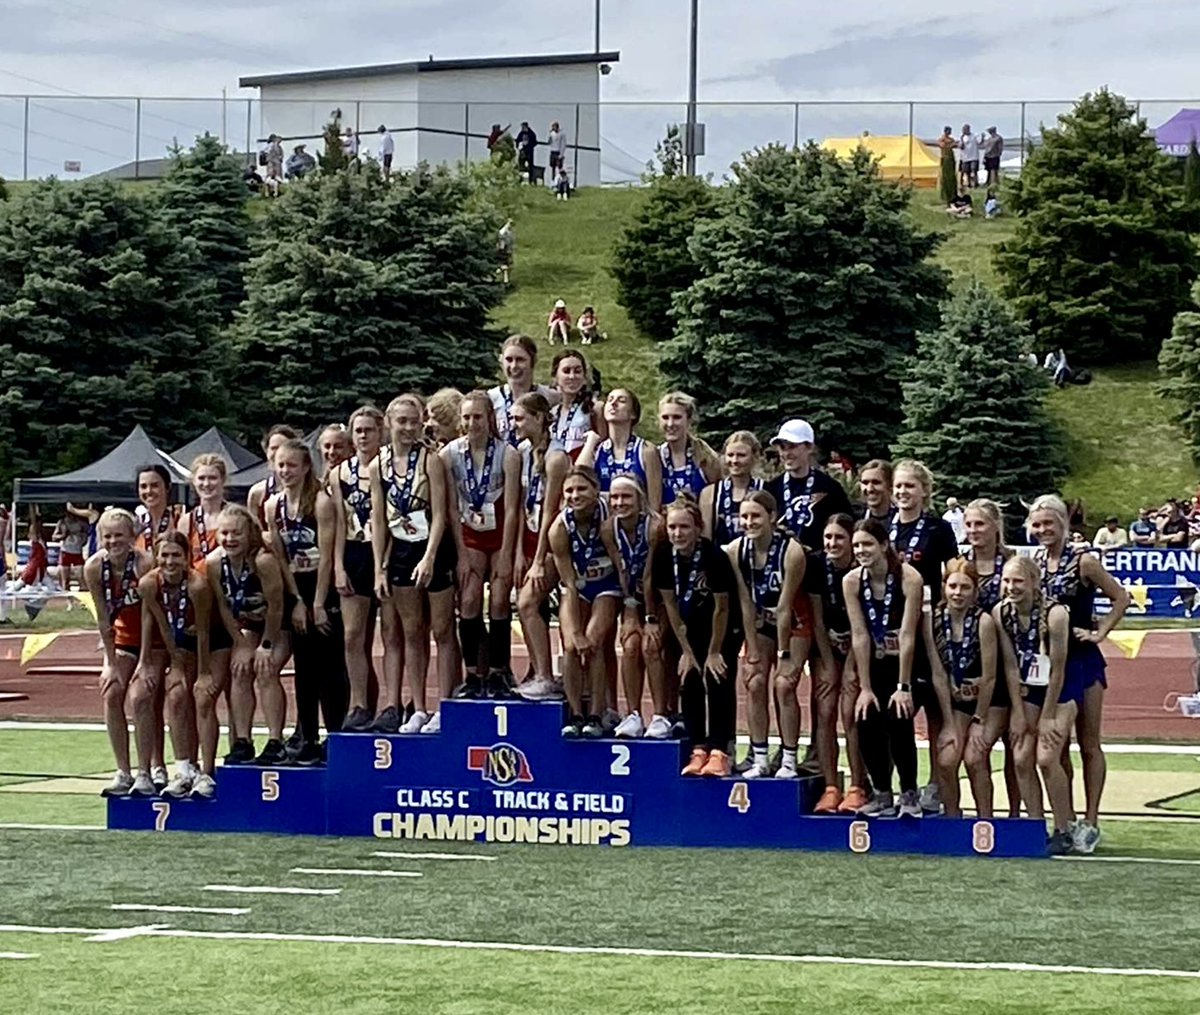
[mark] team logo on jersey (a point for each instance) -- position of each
(500, 764)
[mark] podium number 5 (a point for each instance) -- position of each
(270, 786)
(501, 720)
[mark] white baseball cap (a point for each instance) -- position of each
(795, 431)
(560, 304)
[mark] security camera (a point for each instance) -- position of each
(605, 69)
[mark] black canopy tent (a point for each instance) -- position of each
(240, 482)
(216, 441)
(109, 480)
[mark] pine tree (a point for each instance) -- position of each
(1179, 367)
(812, 285)
(202, 195)
(333, 157)
(652, 262)
(1191, 187)
(974, 407)
(106, 320)
(358, 291)
(1099, 263)
(947, 177)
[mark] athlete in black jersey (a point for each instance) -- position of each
(806, 495)
(875, 490)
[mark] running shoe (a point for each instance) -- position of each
(573, 729)
(881, 805)
(631, 727)
(910, 804)
(539, 689)
(388, 721)
(1060, 844)
(358, 721)
(659, 728)
(717, 765)
(242, 753)
(142, 786)
(610, 719)
(1085, 838)
(180, 786)
(434, 725)
(830, 801)
(469, 689)
(204, 787)
(415, 722)
(755, 771)
(679, 730)
(273, 754)
(160, 777)
(308, 755)
(294, 742)
(930, 798)
(696, 762)
(499, 685)
(854, 801)
(786, 772)
(593, 729)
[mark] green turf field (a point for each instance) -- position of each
(556, 929)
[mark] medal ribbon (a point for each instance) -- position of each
(962, 656)
(401, 494)
(477, 491)
(177, 618)
(913, 541)
(677, 479)
(635, 556)
(727, 507)
(760, 580)
(1025, 642)
(358, 498)
(878, 619)
(798, 510)
(684, 593)
(583, 551)
(235, 590)
(127, 590)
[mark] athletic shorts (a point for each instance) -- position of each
(359, 561)
(133, 651)
(1086, 662)
(609, 585)
(68, 559)
(405, 556)
(485, 542)
(802, 619)
(991, 162)
(1072, 689)
(971, 167)
(924, 697)
(218, 637)
(529, 545)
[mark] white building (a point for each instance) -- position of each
(443, 110)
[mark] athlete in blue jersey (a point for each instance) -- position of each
(688, 463)
(721, 501)
(622, 452)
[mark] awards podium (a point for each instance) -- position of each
(499, 771)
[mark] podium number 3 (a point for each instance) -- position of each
(501, 720)
(383, 753)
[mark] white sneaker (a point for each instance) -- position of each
(204, 786)
(159, 776)
(757, 771)
(537, 689)
(610, 719)
(659, 728)
(881, 805)
(434, 725)
(631, 727)
(930, 798)
(180, 786)
(415, 722)
(786, 772)
(1085, 837)
(143, 785)
(121, 784)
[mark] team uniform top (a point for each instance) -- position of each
(533, 493)
(201, 541)
(884, 615)
(570, 427)
(244, 593)
(480, 493)
(764, 583)
(608, 467)
(357, 501)
(299, 537)
(122, 601)
(962, 659)
(988, 586)
(406, 493)
(180, 611)
(635, 554)
(503, 401)
(595, 573)
(927, 543)
(1069, 587)
(725, 526)
(147, 532)
(822, 578)
(695, 579)
(689, 477)
(799, 512)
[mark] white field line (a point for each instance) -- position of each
(134, 907)
(23, 826)
(651, 953)
(432, 856)
(17, 955)
(270, 890)
(1130, 859)
(356, 872)
(123, 933)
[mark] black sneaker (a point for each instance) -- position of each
(242, 753)
(273, 754)
(309, 755)
(678, 728)
(593, 729)
(358, 721)
(388, 721)
(469, 689)
(294, 743)
(1060, 844)
(573, 730)
(498, 685)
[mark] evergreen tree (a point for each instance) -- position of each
(333, 157)
(974, 407)
(203, 196)
(1191, 187)
(947, 177)
(1179, 366)
(812, 285)
(106, 317)
(669, 154)
(358, 291)
(1099, 263)
(652, 262)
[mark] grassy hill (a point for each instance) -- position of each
(1123, 450)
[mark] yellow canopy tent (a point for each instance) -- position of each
(896, 153)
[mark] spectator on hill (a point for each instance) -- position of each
(559, 322)
(1143, 531)
(961, 206)
(1055, 364)
(946, 142)
(993, 148)
(252, 179)
(557, 144)
(589, 326)
(299, 163)
(526, 144)
(350, 144)
(1173, 527)
(968, 168)
(991, 207)
(1110, 536)
(953, 516)
(1078, 541)
(387, 150)
(562, 186)
(506, 245)
(274, 156)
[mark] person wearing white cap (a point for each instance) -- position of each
(559, 323)
(953, 516)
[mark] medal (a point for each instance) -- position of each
(583, 550)
(634, 557)
(126, 589)
(914, 540)
(768, 579)
(148, 525)
(677, 480)
(960, 657)
(684, 592)
(234, 589)
(878, 619)
(797, 515)
(1025, 642)
(477, 488)
(565, 421)
(400, 494)
(177, 618)
(356, 497)
(727, 507)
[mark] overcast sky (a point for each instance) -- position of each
(773, 50)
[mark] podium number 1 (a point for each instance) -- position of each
(501, 720)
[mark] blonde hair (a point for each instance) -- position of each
(1032, 574)
(209, 460)
(366, 410)
(638, 489)
(254, 540)
(118, 516)
(743, 437)
(1054, 504)
(484, 400)
(408, 398)
(918, 469)
(680, 398)
(991, 511)
(444, 405)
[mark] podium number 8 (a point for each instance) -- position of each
(983, 836)
(860, 837)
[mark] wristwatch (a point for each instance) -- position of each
(785, 653)
(905, 688)
(976, 718)
(265, 643)
(650, 618)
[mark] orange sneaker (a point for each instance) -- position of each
(830, 800)
(854, 801)
(717, 765)
(696, 763)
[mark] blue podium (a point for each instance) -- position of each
(500, 772)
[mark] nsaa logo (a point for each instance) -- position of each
(501, 764)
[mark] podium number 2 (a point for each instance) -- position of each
(620, 761)
(162, 811)
(501, 720)
(270, 786)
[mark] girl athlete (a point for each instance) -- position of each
(265, 488)
(875, 486)
(484, 476)
(335, 447)
(111, 576)
(199, 525)
(638, 531)
(154, 512)
(720, 501)
(1033, 634)
(688, 463)
(518, 357)
(833, 670)
(962, 647)
(986, 552)
(769, 565)
(176, 604)
(354, 563)
(300, 527)
(698, 589)
(544, 466)
(412, 560)
(585, 556)
(883, 599)
(574, 417)
(622, 452)
(247, 589)
(1073, 578)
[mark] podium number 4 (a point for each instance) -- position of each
(739, 797)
